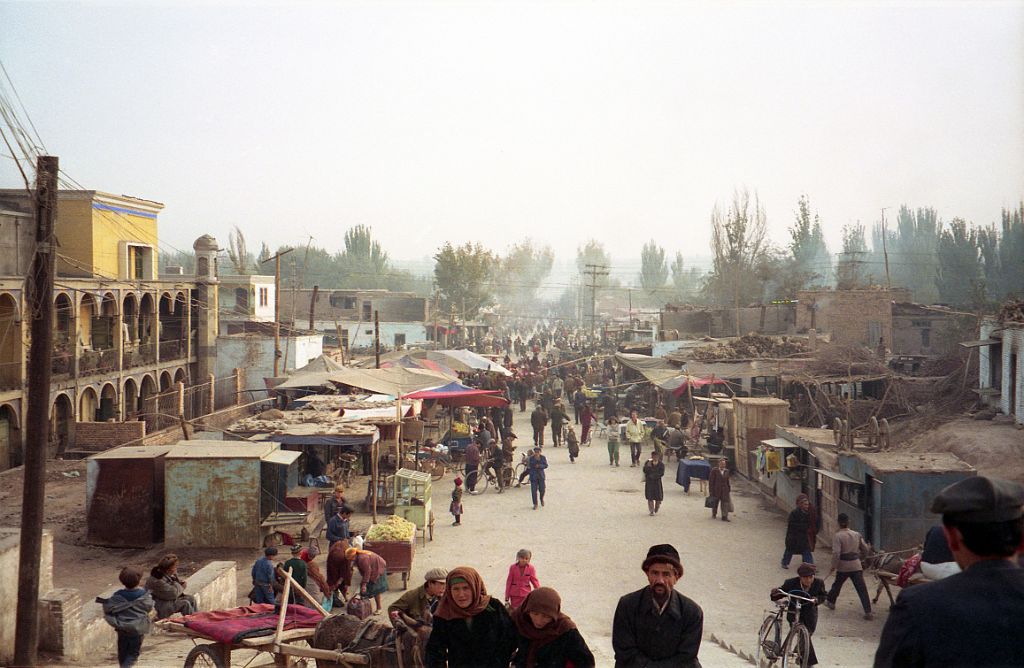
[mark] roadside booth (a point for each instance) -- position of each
(124, 496)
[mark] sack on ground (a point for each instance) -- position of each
(359, 607)
(710, 501)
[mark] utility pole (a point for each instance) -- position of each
(885, 251)
(40, 294)
(312, 308)
(277, 307)
(594, 271)
(376, 339)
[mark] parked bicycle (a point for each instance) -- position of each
(793, 650)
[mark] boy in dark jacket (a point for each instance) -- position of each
(128, 612)
(814, 588)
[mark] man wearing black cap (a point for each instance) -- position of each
(657, 627)
(807, 586)
(973, 618)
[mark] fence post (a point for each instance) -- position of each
(239, 385)
(212, 380)
(181, 398)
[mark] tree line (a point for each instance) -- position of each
(960, 264)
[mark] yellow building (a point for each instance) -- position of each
(107, 236)
(123, 336)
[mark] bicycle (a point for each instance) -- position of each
(795, 650)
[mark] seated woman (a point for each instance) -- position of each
(471, 629)
(168, 590)
(546, 637)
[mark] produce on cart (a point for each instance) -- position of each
(394, 540)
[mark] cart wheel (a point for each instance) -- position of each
(205, 656)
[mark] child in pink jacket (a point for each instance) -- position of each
(522, 579)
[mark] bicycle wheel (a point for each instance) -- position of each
(796, 652)
(438, 470)
(520, 470)
(768, 645)
(483, 481)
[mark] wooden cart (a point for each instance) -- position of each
(398, 556)
(217, 654)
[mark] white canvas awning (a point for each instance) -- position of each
(838, 476)
(779, 443)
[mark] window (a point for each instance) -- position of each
(920, 323)
(399, 340)
(264, 296)
(926, 338)
(346, 302)
(241, 300)
(367, 310)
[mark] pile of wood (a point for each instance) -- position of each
(751, 346)
(1012, 311)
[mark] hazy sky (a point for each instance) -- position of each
(435, 121)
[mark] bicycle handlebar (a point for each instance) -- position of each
(797, 597)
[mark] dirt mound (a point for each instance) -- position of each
(752, 346)
(994, 449)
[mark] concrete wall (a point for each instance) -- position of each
(1011, 402)
(215, 586)
(17, 242)
(255, 354)
(933, 334)
(99, 436)
(720, 322)
(330, 305)
(10, 540)
(360, 335)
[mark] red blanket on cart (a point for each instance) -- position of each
(251, 621)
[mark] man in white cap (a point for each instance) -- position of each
(976, 617)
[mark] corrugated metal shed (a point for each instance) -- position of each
(214, 493)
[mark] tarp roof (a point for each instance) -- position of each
(465, 361)
(308, 379)
(457, 394)
(320, 363)
(394, 381)
(410, 362)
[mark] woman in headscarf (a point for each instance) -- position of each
(547, 637)
(471, 629)
(168, 590)
(373, 573)
(313, 571)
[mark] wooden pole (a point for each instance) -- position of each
(277, 307)
(284, 605)
(40, 302)
(376, 339)
(306, 595)
(312, 308)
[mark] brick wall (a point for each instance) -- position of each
(849, 317)
(99, 436)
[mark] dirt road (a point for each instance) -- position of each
(588, 543)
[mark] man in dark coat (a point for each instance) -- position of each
(813, 588)
(657, 627)
(538, 420)
(797, 532)
(720, 490)
(972, 618)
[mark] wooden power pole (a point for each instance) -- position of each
(376, 340)
(40, 302)
(312, 309)
(277, 307)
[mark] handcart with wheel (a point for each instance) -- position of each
(261, 629)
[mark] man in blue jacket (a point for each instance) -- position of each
(535, 466)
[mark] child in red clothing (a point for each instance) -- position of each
(522, 579)
(456, 505)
